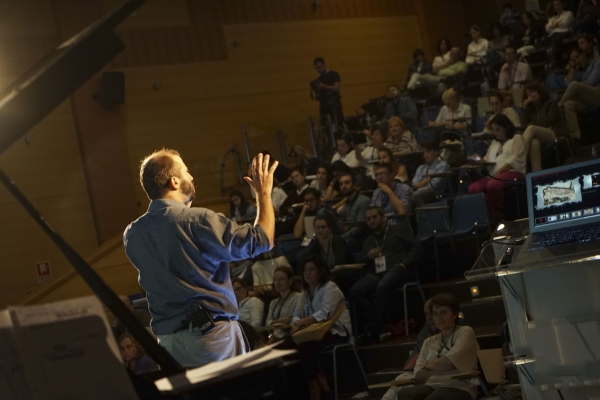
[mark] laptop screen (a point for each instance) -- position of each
(564, 196)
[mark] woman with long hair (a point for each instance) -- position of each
(133, 355)
(239, 208)
(281, 309)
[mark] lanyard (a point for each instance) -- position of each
(273, 317)
(499, 152)
(383, 241)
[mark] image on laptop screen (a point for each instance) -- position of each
(565, 196)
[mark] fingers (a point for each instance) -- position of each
(273, 167)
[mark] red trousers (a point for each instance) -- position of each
(494, 191)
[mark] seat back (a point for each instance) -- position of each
(430, 219)
(492, 365)
(469, 213)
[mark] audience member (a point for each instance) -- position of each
(345, 152)
(451, 68)
(560, 23)
(278, 196)
(143, 316)
(419, 67)
(239, 208)
(583, 69)
(313, 207)
(299, 158)
(513, 72)
(134, 356)
(510, 17)
(586, 18)
(250, 309)
(390, 252)
(453, 114)
(263, 267)
(587, 44)
(497, 44)
(326, 89)
(508, 152)
(428, 330)
(324, 183)
(370, 154)
(451, 352)
(543, 122)
(401, 106)
(534, 33)
(579, 98)
(327, 245)
(426, 188)
(320, 298)
(281, 309)
(351, 209)
(497, 104)
(392, 197)
(386, 156)
(400, 139)
(295, 196)
(478, 48)
(441, 61)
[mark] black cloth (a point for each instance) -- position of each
(398, 245)
(308, 352)
(424, 392)
(330, 102)
(426, 68)
(293, 197)
(340, 249)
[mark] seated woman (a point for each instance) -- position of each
(533, 34)
(559, 24)
(319, 301)
(133, 355)
(385, 156)
(453, 114)
(324, 183)
(282, 308)
(451, 352)
(509, 153)
(331, 248)
(251, 309)
(400, 139)
(478, 48)
(239, 208)
(544, 120)
(345, 152)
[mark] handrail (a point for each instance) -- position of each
(96, 255)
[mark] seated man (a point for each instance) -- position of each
(429, 329)
(419, 67)
(314, 207)
(426, 189)
(294, 196)
(583, 92)
(391, 197)
(352, 208)
(390, 252)
(513, 72)
(400, 106)
(453, 67)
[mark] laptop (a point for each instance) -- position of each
(564, 212)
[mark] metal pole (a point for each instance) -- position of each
(281, 141)
(238, 163)
(245, 136)
(311, 133)
(332, 129)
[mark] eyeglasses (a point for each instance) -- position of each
(378, 174)
(319, 227)
(309, 200)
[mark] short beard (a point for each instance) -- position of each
(188, 189)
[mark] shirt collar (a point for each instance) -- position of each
(301, 189)
(164, 203)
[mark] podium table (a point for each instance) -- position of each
(553, 314)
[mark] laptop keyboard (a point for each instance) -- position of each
(583, 233)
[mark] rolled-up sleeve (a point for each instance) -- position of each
(332, 296)
(228, 240)
(463, 355)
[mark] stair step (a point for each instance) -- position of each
(462, 289)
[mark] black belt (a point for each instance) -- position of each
(186, 325)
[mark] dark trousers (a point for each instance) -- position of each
(424, 392)
(371, 296)
(309, 352)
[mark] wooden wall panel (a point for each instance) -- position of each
(200, 107)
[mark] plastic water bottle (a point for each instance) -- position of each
(485, 87)
(594, 151)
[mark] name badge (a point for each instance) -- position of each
(305, 242)
(380, 264)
